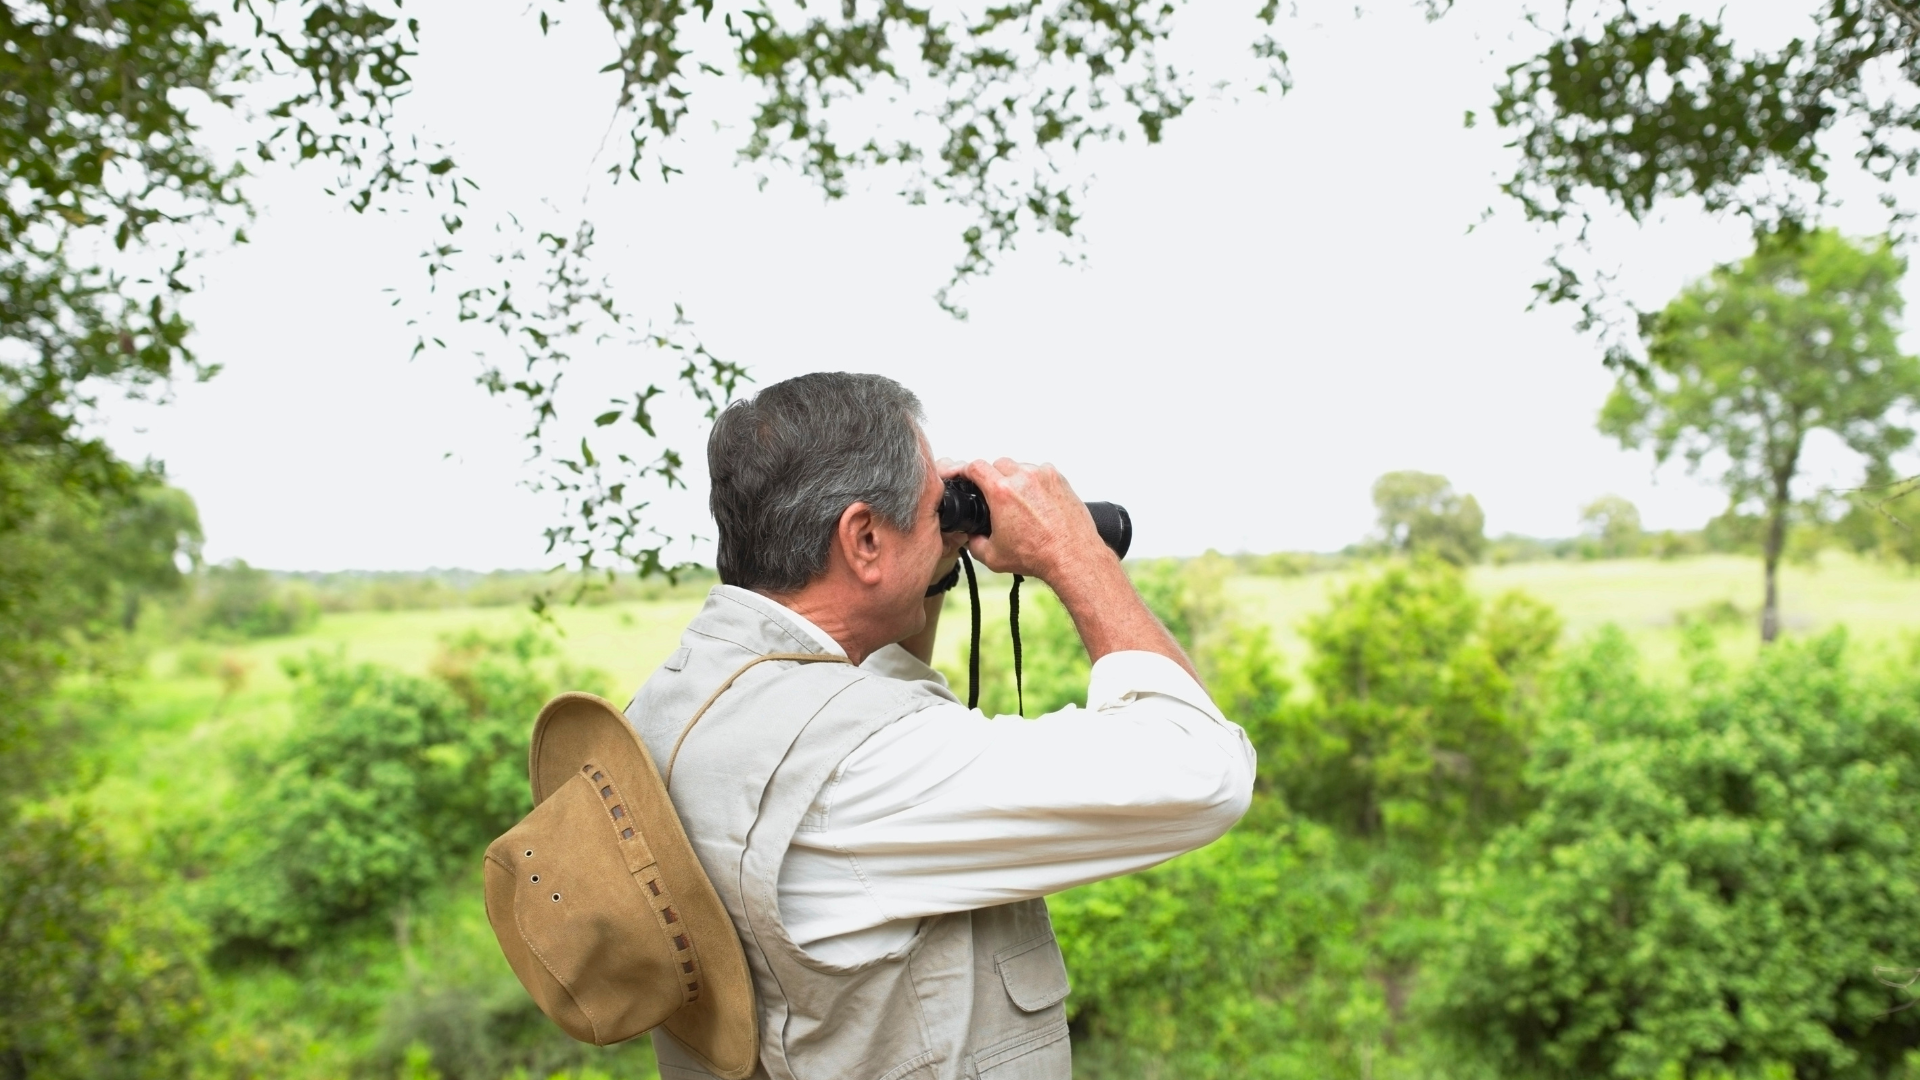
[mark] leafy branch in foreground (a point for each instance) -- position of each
(978, 105)
(1632, 112)
(115, 187)
(546, 297)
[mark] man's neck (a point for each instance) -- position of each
(823, 605)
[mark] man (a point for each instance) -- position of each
(882, 849)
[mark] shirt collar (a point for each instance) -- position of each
(776, 608)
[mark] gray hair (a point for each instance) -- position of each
(788, 462)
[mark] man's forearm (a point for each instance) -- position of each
(1110, 615)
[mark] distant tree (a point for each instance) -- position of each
(1744, 364)
(1421, 512)
(1613, 524)
(237, 600)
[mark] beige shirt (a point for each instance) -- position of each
(948, 809)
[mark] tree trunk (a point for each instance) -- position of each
(1776, 542)
(1770, 613)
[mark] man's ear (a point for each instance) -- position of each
(858, 538)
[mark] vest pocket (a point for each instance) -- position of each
(1034, 973)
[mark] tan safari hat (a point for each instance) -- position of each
(602, 908)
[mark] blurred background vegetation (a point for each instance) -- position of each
(1549, 811)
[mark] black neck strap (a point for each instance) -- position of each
(973, 648)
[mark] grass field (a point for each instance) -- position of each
(1646, 597)
(179, 728)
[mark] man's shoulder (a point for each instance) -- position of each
(704, 663)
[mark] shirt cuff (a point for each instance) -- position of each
(1120, 678)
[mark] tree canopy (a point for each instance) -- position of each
(1613, 525)
(1420, 512)
(1632, 111)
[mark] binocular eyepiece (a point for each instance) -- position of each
(963, 508)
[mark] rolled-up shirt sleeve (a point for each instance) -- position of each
(950, 810)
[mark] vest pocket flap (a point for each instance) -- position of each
(1034, 973)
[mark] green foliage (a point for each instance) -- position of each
(1242, 670)
(77, 564)
(1017, 88)
(1187, 595)
(1421, 513)
(1708, 882)
(101, 983)
(237, 601)
(1612, 527)
(1883, 518)
(433, 590)
(494, 1031)
(1054, 665)
(1255, 956)
(1639, 107)
(1798, 337)
(1422, 707)
(97, 145)
(386, 785)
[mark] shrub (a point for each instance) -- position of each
(491, 1032)
(1708, 883)
(387, 783)
(1422, 706)
(1054, 665)
(1188, 595)
(99, 983)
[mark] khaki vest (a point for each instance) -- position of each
(977, 994)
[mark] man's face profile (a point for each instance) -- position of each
(915, 554)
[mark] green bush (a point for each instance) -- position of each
(1188, 595)
(492, 1032)
(387, 784)
(1708, 883)
(1423, 706)
(1054, 665)
(101, 983)
(1283, 950)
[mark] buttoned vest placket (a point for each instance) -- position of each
(973, 995)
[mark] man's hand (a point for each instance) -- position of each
(1040, 527)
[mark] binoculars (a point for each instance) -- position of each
(963, 508)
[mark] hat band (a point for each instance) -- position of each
(646, 872)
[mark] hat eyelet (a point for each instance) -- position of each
(529, 853)
(536, 879)
(556, 898)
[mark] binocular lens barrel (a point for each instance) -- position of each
(963, 508)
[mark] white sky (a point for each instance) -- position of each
(1277, 304)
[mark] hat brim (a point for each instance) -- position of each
(721, 1026)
